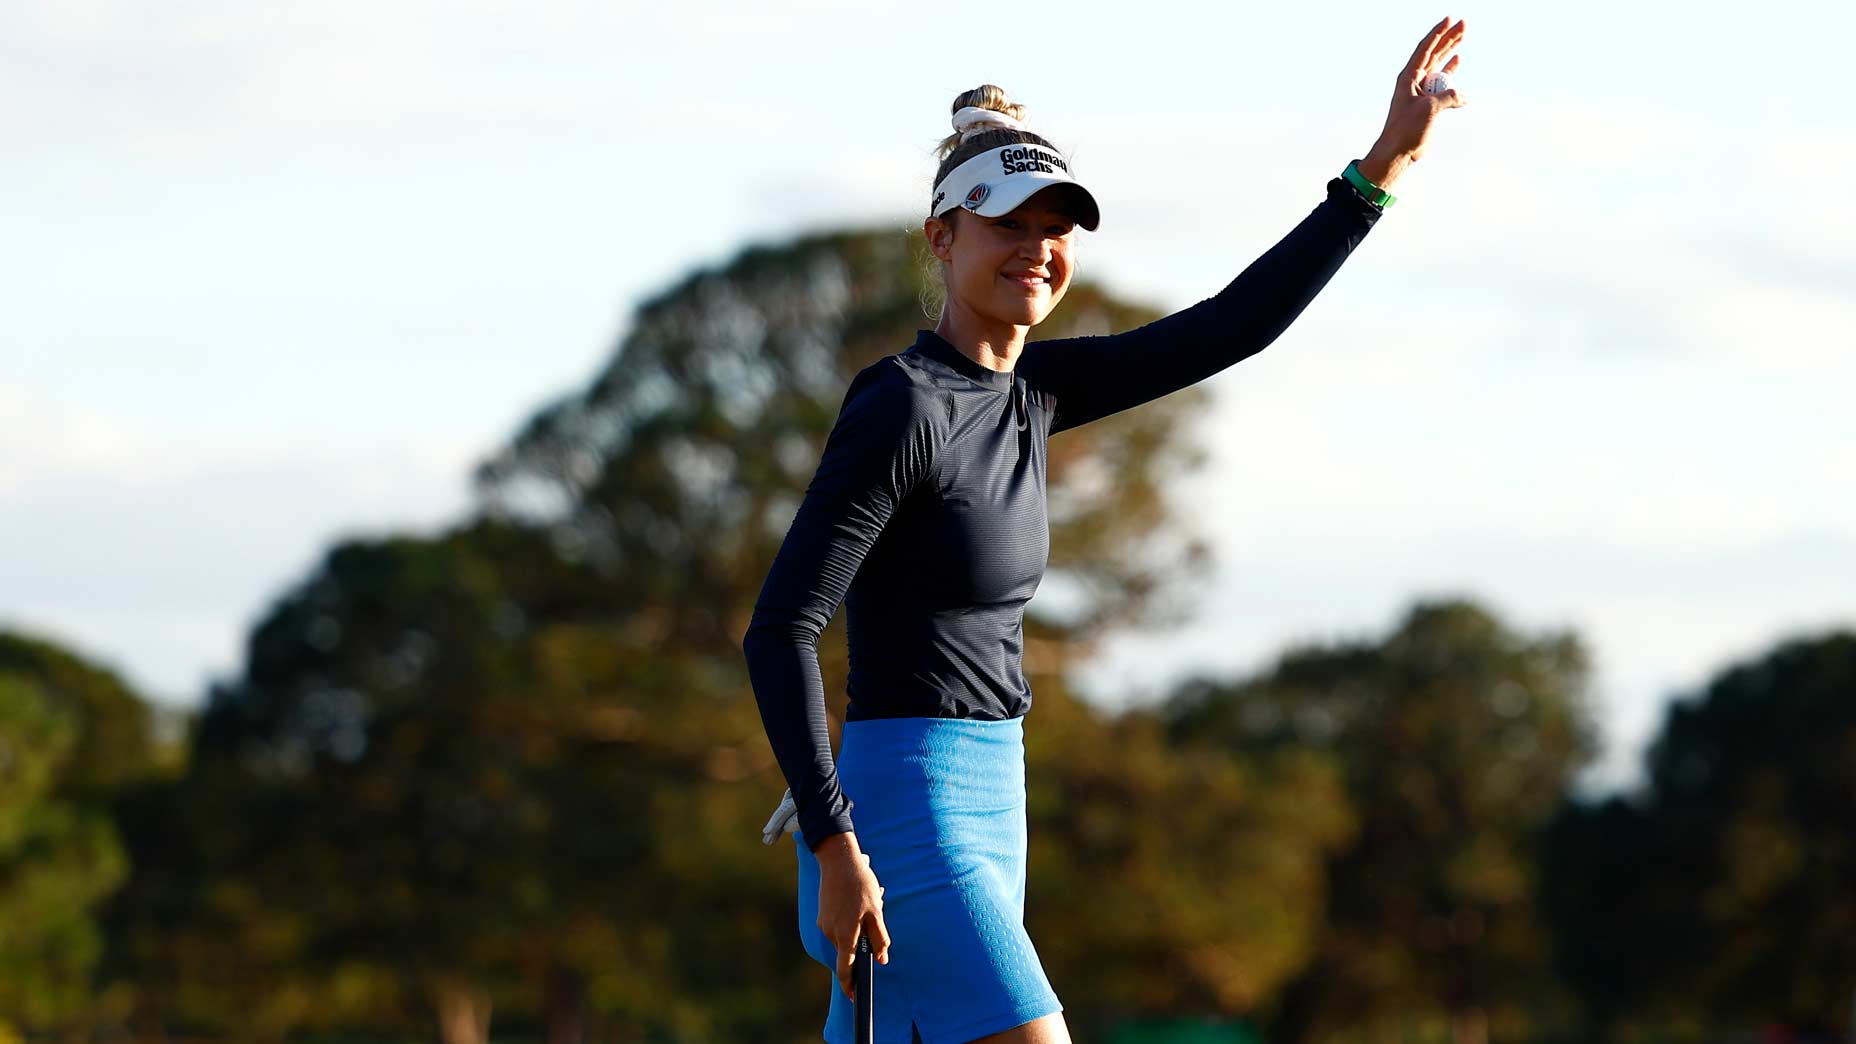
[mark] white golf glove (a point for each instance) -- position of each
(785, 820)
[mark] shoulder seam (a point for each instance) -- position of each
(924, 384)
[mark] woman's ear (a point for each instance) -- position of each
(940, 235)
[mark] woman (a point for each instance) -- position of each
(926, 518)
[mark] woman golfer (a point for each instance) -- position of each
(926, 517)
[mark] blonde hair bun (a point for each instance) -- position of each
(987, 97)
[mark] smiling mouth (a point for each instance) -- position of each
(1029, 281)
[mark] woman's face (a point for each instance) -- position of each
(1010, 269)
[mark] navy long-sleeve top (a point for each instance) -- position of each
(926, 516)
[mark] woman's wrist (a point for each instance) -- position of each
(838, 846)
(1382, 166)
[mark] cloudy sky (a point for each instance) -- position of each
(279, 274)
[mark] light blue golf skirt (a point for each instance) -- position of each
(940, 811)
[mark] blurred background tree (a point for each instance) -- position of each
(1722, 894)
(70, 733)
(1457, 738)
(1170, 879)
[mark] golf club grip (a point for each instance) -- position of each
(863, 985)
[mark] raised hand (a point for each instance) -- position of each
(1408, 124)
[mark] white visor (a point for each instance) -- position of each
(996, 181)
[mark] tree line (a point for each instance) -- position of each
(509, 776)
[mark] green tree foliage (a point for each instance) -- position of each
(1168, 879)
(111, 743)
(382, 749)
(102, 759)
(1722, 895)
(1457, 738)
(65, 862)
(59, 856)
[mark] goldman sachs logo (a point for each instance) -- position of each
(1031, 159)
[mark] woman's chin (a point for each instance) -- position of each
(1023, 312)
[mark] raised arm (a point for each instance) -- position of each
(1093, 377)
(884, 442)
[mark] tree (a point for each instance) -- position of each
(1721, 894)
(1211, 861)
(1457, 738)
(1613, 933)
(111, 740)
(377, 743)
(69, 864)
(59, 855)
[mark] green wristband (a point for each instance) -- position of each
(1374, 194)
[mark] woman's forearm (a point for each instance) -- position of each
(1096, 376)
(781, 649)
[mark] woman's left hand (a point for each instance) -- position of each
(1408, 124)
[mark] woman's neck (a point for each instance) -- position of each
(990, 343)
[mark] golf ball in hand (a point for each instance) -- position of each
(1436, 83)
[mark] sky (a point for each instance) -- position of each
(279, 275)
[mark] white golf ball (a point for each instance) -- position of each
(1436, 83)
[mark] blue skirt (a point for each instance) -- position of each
(940, 811)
